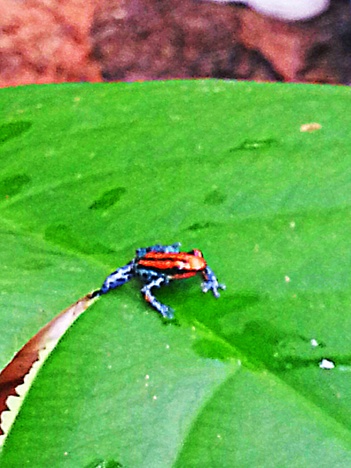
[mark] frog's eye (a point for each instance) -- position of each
(197, 253)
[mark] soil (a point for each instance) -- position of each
(74, 40)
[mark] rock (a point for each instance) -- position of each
(82, 40)
(312, 51)
(46, 41)
(149, 39)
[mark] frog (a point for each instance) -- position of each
(157, 266)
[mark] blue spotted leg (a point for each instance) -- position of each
(163, 309)
(119, 277)
(211, 282)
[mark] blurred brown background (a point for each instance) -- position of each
(74, 40)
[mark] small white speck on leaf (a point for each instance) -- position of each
(314, 342)
(287, 279)
(292, 224)
(310, 127)
(326, 364)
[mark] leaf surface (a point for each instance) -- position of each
(16, 378)
(90, 173)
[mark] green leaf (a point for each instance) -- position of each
(90, 173)
(17, 377)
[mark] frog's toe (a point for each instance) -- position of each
(166, 311)
(212, 286)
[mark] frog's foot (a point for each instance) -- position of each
(163, 309)
(211, 282)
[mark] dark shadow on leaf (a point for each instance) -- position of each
(201, 226)
(12, 185)
(108, 199)
(255, 145)
(215, 198)
(261, 343)
(13, 129)
(101, 463)
(213, 349)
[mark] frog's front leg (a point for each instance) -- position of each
(117, 278)
(211, 282)
(163, 309)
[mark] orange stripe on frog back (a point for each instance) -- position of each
(166, 261)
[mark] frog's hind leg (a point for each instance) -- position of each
(117, 278)
(163, 309)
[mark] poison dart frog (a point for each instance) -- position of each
(158, 265)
